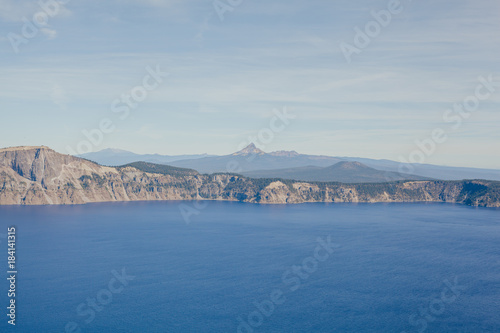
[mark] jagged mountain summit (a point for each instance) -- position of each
(286, 153)
(251, 149)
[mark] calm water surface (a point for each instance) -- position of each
(394, 268)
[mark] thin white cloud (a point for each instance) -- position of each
(150, 132)
(158, 3)
(49, 33)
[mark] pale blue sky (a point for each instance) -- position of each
(226, 77)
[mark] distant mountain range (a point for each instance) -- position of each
(344, 172)
(254, 162)
(251, 158)
(115, 157)
(429, 170)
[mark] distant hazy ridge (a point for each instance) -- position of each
(254, 162)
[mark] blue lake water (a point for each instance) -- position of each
(393, 268)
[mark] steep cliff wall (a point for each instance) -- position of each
(39, 175)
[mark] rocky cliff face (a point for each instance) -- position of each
(39, 175)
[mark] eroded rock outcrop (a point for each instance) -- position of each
(39, 175)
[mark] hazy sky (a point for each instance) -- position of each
(226, 77)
